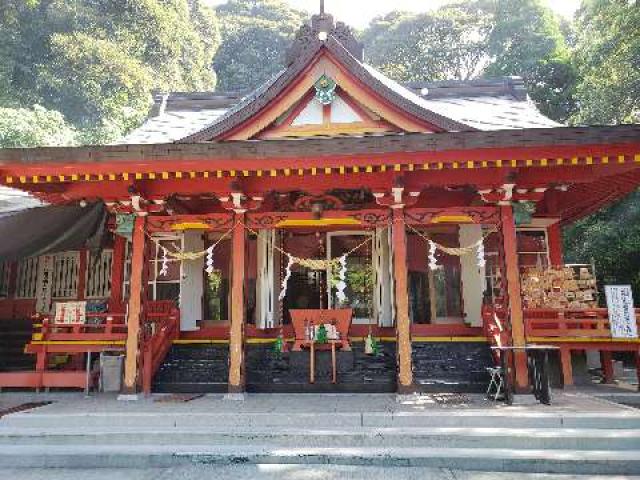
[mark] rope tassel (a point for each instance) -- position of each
(165, 264)
(433, 261)
(287, 276)
(209, 261)
(342, 275)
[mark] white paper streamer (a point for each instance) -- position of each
(480, 256)
(433, 261)
(342, 275)
(209, 261)
(285, 280)
(165, 263)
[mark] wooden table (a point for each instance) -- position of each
(538, 363)
(312, 360)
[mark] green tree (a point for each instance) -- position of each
(527, 40)
(611, 238)
(447, 44)
(482, 37)
(255, 36)
(96, 61)
(607, 55)
(22, 127)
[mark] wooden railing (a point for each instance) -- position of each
(593, 323)
(161, 327)
(109, 327)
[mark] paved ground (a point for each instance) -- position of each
(285, 472)
(567, 401)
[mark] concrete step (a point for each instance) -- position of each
(523, 439)
(145, 456)
(183, 418)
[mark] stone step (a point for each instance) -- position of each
(444, 437)
(183, 418)
(145, 456)
(189, 387)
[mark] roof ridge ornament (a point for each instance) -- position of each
(321, 27)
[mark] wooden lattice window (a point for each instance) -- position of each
(27, 278)
(65, 275)
(99, 275)
(5, 269)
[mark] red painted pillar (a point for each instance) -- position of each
(554, 237)
(134, 318)
(117, 272)
(403, 322)
(606, 362)
(236, 334)
(567, 367)
(513, 291)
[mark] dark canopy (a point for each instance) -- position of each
(37, 231)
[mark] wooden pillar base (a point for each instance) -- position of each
(567, 368)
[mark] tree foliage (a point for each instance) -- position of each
(611, 238)
(22, 127)
(97, 61)
(607, 56)
(255, 36)
(482, 37)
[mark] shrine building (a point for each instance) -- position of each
(408, 228)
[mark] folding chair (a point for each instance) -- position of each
(497, 382)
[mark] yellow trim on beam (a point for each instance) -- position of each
(79, 342)
(582, 340)
(452, 219)
(198, 341)
(321, 222)
(190, 226)
(451, 339)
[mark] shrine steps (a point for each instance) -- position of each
(193, 369)
(14, 335)
(605, 440)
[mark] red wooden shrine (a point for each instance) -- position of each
(327, 153)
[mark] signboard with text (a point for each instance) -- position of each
(622, 315)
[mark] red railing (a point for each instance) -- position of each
(593, 323)
(160, 329)
(109, 327)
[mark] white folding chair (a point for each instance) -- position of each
(497, 382)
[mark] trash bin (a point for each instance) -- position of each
(111, 366)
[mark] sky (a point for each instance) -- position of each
(358, 13)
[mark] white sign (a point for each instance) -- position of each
(71, 312)
(622, 316)
(44, 284)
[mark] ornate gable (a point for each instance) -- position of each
(356, 100)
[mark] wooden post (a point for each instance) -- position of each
(567, 369)
(554, 237)
(403, 323)
(636, 355)
(135, 306)
(83, 268)
(606, 361)
(236, 335)
(117, 272)
(513, 292)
